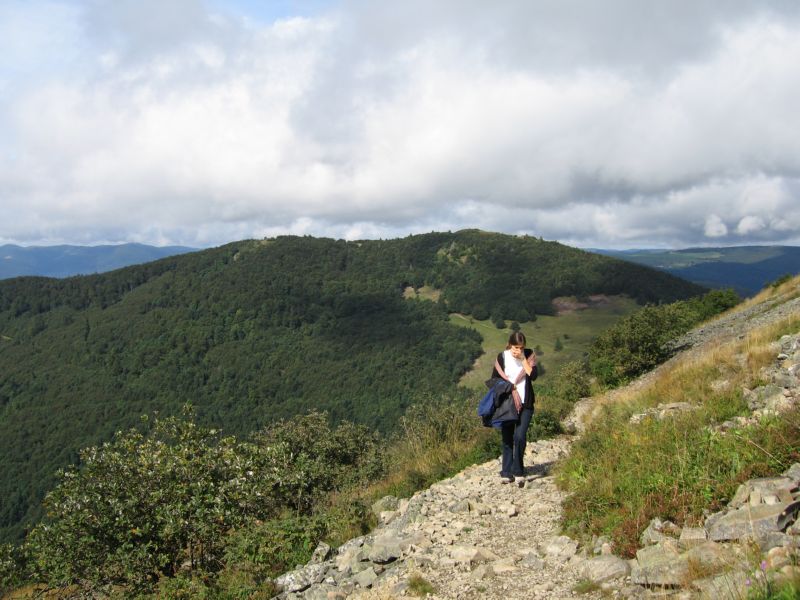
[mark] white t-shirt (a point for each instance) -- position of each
(512, 368)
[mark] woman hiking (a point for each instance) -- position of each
(517, 365)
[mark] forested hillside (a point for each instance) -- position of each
(259, 330)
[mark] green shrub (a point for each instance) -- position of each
(12, 568)
(186, 586)
(151, 505)
(143, 505)
(324, 459)
(544, 425)
(639, 341)
(267, 549)
(571, 382)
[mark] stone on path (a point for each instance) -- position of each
(561, 547)
(605, 568)
(471, 556)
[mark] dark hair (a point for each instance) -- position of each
(517, 338)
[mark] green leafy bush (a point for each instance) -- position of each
(544, 424)
(12, 570)
(571, 383)
(267, 549)
(638, 342)
(324, 459)
(146, 505)
(151, 505)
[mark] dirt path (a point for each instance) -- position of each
(479, 538)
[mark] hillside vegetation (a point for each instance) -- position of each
(622, 472)
(256, 331)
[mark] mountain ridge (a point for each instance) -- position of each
(68, 260)
(746, 269)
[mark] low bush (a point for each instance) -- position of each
(152, 505)
(639, 341)
(267, 549)
(544, 424)
(12, 568)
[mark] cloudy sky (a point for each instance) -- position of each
(617, 124)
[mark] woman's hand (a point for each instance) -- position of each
(529, 363)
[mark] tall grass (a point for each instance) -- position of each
(435, 439)
(622, 475)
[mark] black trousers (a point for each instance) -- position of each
(515, 438)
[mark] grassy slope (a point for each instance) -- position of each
(621, 476)
(580, 326)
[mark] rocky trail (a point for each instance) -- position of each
(471, 536)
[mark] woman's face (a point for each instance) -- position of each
(517, 351)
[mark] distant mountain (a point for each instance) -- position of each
(746, 269)
(65, 261)
(256, 331)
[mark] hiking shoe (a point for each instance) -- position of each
(506, 479)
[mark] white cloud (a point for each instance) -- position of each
(714, 227)
(750, 224)
(190, 127)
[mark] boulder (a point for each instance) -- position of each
(752, 522)
(462, 506)
(387, 516)
(504, 566)
(660, 565)
(472, 555)
(561, 547)
(385, 549)
(479, 509)
(301, 579)
(691, 537)
(764, 396)
(321, 553)
(366, 578)
(711, 557)
(658, 531)
(386, 503)
(793, 473)
(605, 568)
(728, 586)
